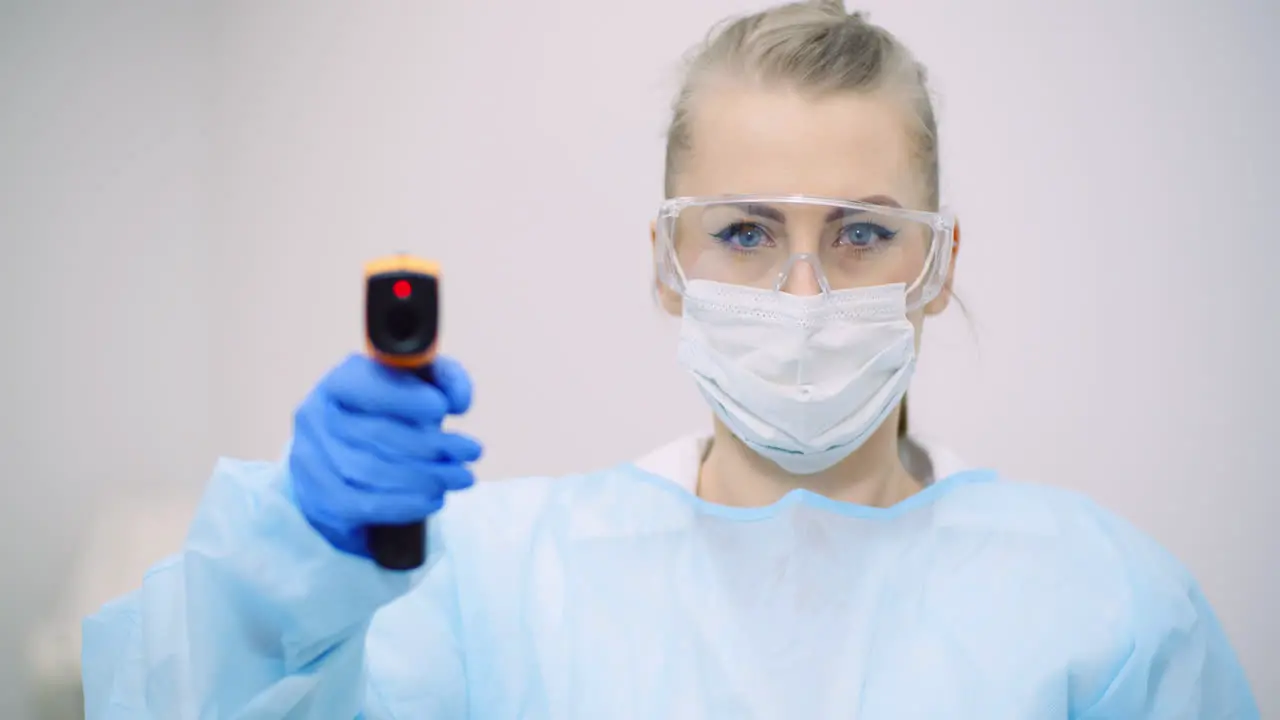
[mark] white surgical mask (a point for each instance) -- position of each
(801, 380)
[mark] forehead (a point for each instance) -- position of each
(753, 140)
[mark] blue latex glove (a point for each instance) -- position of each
(368, 448)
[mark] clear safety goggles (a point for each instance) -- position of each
(765, 241)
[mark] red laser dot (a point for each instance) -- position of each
(402, 289)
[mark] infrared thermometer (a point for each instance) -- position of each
(402, 325)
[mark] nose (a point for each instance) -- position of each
(802, 275)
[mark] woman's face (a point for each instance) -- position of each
(755, 141)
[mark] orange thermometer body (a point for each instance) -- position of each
(402, 324)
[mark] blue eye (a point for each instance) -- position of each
(743, 236)
(865, 234)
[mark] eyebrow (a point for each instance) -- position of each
(771, 213)
(882, 200)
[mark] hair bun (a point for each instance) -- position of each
(836, 7)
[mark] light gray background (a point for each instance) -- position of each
(188, 190)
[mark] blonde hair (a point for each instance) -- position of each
(813, 46)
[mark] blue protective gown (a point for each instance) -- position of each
(618, 594)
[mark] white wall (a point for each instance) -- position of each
(104, 275)
(231, 165)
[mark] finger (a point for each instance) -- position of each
(370, 469)
(348, 488)
(384, 508)
(389, 438)
(318, 487)
(429, 479)
(394, 441)
(455, 448)
(345, 506)
(454, 477)
(364, 385)
(452, 379)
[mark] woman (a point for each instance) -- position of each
(808, 560)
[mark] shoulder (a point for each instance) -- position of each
(1068, 568)
(1040, 530)
(1085, 590)
(1069, 523)
(1062, 528)
(516, 510)
(1148, 641)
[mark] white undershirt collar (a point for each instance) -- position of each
(680, 460)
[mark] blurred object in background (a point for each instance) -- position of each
(106, 207)
(125, 539)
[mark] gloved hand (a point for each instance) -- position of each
(368, 448)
